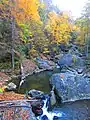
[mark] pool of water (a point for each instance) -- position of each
(39, 81)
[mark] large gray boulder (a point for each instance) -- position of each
(66, 59)
(70, 60)
(71, 86)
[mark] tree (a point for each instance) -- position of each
(60, 27)
(83, 24)
(24, 10)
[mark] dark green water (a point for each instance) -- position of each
(39, 81)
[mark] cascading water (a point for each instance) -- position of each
(48, 115)
(42, 108)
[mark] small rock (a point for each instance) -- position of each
(36, 94)
(52, 98)
(11, 86)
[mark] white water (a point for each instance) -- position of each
(50, 115)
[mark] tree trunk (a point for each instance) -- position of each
(12, 43)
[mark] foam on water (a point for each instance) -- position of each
(50, 115)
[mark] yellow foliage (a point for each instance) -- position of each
(59, 26)
(25, 10)
(81, 34)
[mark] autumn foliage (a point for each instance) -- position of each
(60, 27)
(40, 23)
(24, 10)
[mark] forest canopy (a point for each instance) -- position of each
(35, 26)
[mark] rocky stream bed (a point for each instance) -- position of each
(66, 80)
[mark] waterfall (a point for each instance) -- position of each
(48, 115)
(22, 75)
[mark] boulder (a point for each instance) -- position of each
(70, 60)
(45, 64)
(71, 86)
(36, 94)
(37, 107)
(11, 86)
(28, 66)
(66, 60)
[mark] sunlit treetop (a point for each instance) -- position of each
(59, 26)
(24, 10)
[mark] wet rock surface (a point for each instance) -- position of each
(71, 86)
(78, 110)
(36, 94)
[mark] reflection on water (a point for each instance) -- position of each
(39, 81)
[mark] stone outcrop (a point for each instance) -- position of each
(28, 66)
(16, 110)
(71, 86)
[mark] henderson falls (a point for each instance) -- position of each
(44, 59)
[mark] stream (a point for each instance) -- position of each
(77, 110)
(39, 81)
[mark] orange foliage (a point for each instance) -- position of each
(24, 10)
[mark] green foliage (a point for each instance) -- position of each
(43, 14)
(25, 33)
(74, 35)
